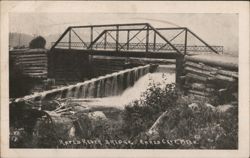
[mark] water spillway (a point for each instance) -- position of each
(103, 86)
(164, 74)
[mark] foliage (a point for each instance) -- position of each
(141, 114)
(205, 126)
(38, 42)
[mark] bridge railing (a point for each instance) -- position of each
(131, 37)
(140, 46)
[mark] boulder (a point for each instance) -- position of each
(210, 106)
(224, 108)
(193, 106)
(97, 115)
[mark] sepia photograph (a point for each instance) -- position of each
(123, 80)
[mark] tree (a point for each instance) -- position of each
(38, 42)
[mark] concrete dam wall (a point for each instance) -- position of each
(103, 86)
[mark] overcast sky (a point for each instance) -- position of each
(215, 29)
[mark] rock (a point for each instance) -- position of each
(97, 115)
(224, 108)
(210, 106)
(193, 106)
(72, 132)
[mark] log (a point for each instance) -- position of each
(199, 72)
(198, 86)
(212, 70)
(155, 127)
(216, 60)
(225, 78)
(198, 93)
(35, 56)
(196, 77)
(205, 85)
(201, 66)
(199, 96)
(228, 73)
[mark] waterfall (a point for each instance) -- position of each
(104, 86)
(128, 80)
(135, 92)
(99, 88)
(120, 84)
(115, 85)
(91, 90)
(108, 85)
(77, 90)
(83, 92)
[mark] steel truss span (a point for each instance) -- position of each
(133, 37)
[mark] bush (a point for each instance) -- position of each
(38, 42)
(208, 128)
(141, 114)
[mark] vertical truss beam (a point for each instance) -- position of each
(134, 36)
(96, 39)
(105, 40)
(159, 34)
(128, 34)
(70, 38)
(185, 44)
(147, 38)
(117, 38)
(154, 41)
(91, 37)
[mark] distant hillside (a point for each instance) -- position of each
(19, 39)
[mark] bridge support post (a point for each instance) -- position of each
(179, 70)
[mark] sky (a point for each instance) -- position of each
(215, 29)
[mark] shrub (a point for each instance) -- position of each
(141, 114)
(208, 128)
(38, 42)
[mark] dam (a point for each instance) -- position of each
(103, 86)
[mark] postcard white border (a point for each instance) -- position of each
(242, 8)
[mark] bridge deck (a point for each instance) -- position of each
(160, 55)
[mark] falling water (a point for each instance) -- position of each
(105, 86)
(139, 87)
